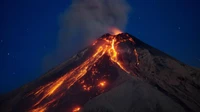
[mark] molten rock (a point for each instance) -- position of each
(117, 73)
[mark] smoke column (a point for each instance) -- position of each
(85, 20)
(92, 18)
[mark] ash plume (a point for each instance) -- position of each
(92, 18)
(85, 20)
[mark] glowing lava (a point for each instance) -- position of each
(102, 84)
(53, 91)
(76, 109)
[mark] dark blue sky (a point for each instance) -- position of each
(29, 31)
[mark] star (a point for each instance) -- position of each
(1, 41)
(8, 54)
(179, 28)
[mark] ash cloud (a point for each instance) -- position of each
(86, 20)
(92, 18)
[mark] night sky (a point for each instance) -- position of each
(29, 32)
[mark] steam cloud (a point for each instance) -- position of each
(86, 20)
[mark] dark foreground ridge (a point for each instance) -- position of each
(139, 78)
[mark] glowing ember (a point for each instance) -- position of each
(102, 83)
(77, 109)
(51, 92)
(86, 88)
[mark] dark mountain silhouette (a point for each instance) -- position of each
(118, 73)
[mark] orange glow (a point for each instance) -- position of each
(39, 110)
(86, 88)
(114, 54)
(42, 108)
(114, 31)
(102, 84)
(77, 109)
(53, 91)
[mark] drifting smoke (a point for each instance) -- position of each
(84, 21)
(92, 18)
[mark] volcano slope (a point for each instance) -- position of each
(117, 73)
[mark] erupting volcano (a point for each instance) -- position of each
(107, 45)
(100, 77)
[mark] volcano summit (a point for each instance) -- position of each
(117, 73)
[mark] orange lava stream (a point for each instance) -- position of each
(54, 90)
(114, 54)
(68, 79)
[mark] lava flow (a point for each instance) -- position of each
(51, 92)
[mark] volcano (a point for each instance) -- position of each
(117, 73)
